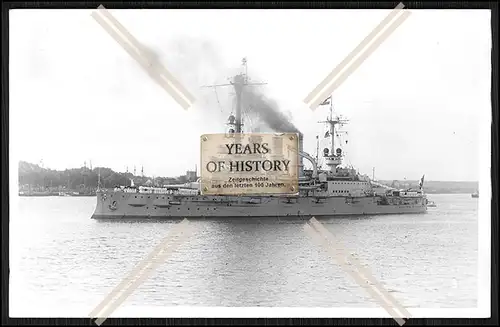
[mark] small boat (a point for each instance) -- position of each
(431, 204)
(475, 194)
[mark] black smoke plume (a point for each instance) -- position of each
(196, 62)
(267, 111)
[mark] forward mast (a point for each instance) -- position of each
(332, 156)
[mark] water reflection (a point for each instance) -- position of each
(59, 256)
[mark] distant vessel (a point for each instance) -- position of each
(333, 191)
(46, 193)
(431, 204)
(87, 193)
(475, 194)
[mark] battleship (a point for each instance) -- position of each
(336, 190)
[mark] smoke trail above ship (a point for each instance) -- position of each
(267, 111)
(196, 62)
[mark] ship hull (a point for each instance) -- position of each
(119, 205)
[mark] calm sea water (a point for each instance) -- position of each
(61, 259)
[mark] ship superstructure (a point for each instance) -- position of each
(335, 190)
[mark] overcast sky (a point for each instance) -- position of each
(418, 105)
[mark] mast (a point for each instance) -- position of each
(333, 158)
(238, 82)
(317, 149)
(99, 179)
(332, 128)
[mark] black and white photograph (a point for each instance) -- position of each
(252, 163)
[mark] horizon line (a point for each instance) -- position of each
(377, 179)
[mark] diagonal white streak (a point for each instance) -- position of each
(340, 78)
(140, 266)
(366, 270)
(354, 52)
(154, 69)
(142, 271)
(358, 277)
(376, 36)
(362, 276)
(140, 48)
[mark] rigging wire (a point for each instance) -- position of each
(217, 97)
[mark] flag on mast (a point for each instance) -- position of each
(421, 182)
(326, 101)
